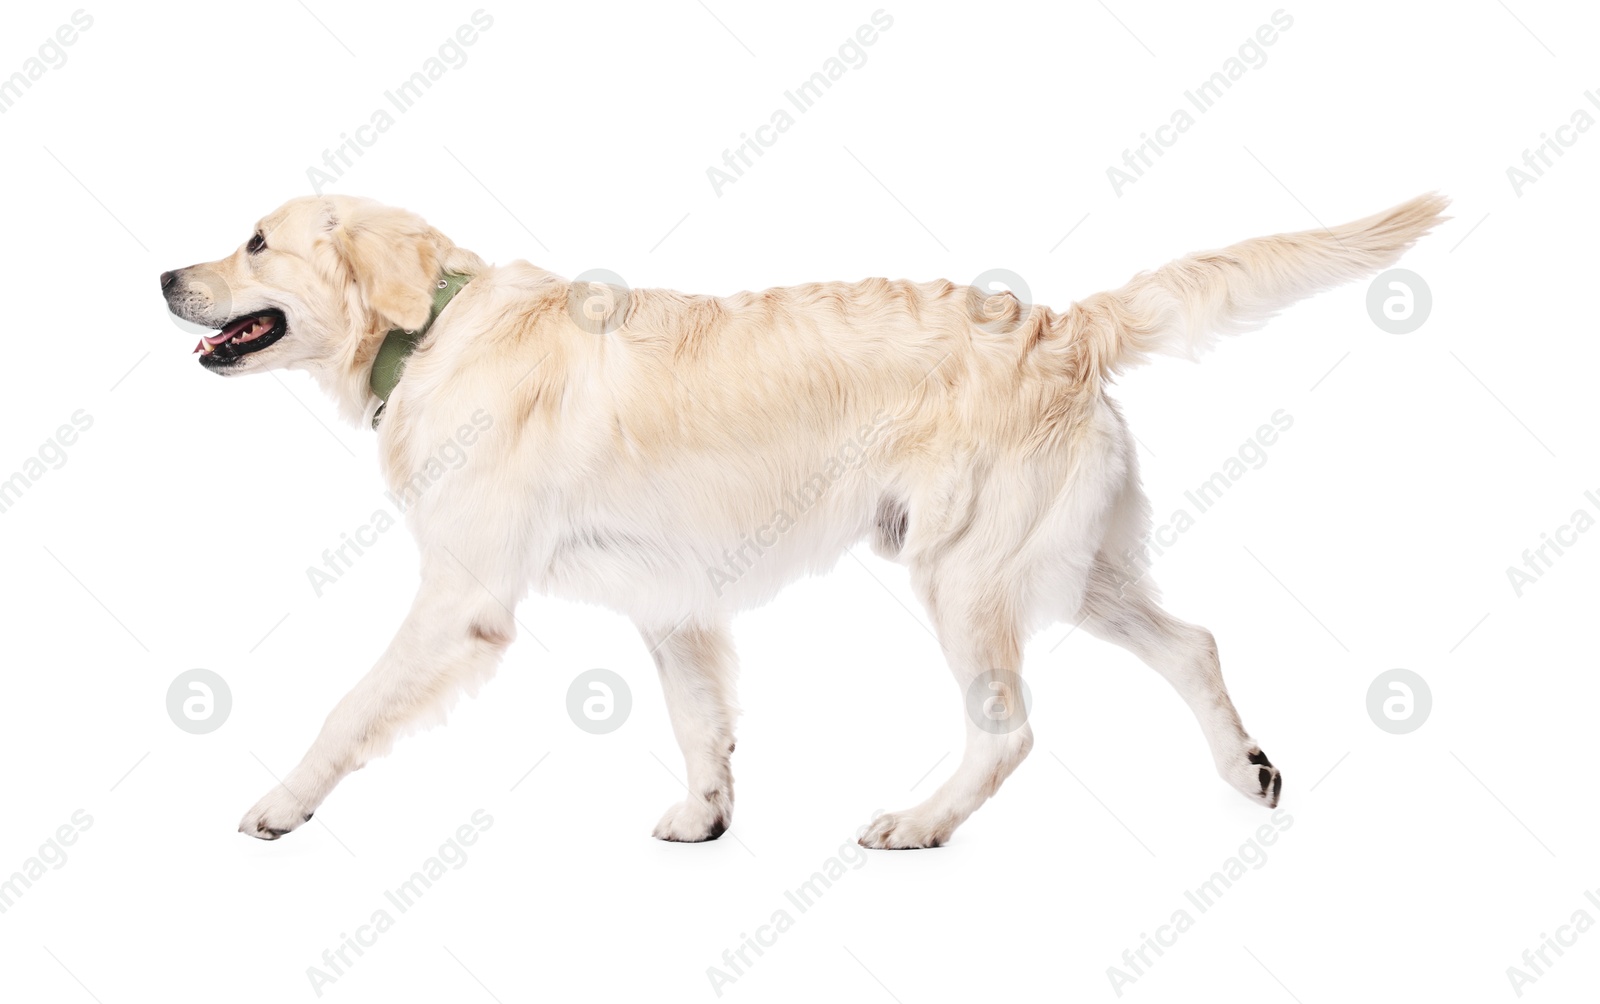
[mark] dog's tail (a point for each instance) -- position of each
(1182, 307)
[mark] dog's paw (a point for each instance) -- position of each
(904, 831)
(696, 819)
(277, 813)
(1254, 775)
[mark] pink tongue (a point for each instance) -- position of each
(245, 329)
(230, 330)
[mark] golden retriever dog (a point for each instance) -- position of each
(679, 458)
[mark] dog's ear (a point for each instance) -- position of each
(393, 257)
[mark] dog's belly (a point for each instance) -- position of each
(655, 576)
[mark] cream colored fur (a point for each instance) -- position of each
(643, 459)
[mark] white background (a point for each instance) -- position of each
(1377, 535)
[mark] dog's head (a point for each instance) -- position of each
(314, 286)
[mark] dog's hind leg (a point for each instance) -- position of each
(697, 668)
(981, 643)
(1119, 608)
(451, 640)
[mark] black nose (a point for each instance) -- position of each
(167, 279)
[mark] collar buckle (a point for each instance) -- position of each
(398, 345)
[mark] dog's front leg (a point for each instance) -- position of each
(452, 639)
(697, 669)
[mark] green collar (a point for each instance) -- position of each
(398, 345)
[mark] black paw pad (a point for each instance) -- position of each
(1266, 779)
(1259, 758)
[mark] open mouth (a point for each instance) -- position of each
(240, 337)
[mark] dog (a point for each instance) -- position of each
(679, 458)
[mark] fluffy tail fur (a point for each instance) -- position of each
(1182, 307)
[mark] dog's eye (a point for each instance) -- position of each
(257, 243)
